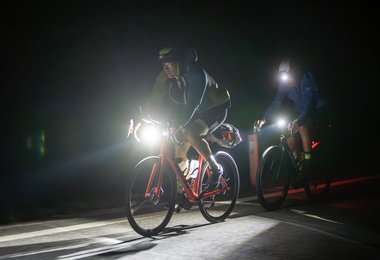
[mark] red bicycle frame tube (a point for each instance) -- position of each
(192, 193)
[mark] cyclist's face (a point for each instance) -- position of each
(170, 69)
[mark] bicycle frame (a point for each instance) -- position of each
(286, 147)
(192, 193)
(153, 188)
(298, 147)
(286, 150)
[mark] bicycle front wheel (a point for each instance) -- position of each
(272, 181)
(218, 207)
(150, 208)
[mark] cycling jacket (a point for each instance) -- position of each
(304, 97)
(194, 92)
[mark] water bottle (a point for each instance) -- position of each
(193, 169)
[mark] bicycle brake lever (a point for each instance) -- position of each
(174, 138)
(256, 127)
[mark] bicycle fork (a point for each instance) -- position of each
(154, 193)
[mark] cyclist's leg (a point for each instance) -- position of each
(194, 133)
(305, 138)
(304, 131)
(198, 128)
(295, 146)
(292, 143)
(181, 156)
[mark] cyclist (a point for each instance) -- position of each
(298, 86)
(189, 97)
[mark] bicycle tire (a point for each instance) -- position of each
(272, 179)
(149, 216)
(219, 206)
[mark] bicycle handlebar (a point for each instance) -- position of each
(165, 129)
(281, 124)
(257, 125)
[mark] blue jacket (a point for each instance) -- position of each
(304, 97)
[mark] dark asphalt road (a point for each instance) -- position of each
(344, 226)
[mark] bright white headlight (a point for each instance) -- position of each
(150, 134)
(281, 123)
(284, 77)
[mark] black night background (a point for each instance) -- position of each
(75, 73)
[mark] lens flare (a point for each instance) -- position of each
(284, 77)
(281, 123)
(150, 135)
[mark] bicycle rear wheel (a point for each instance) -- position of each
(318, 180)
(272, 181)
(218, 207)
(149, 215)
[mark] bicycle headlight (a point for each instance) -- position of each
(284, 77)
(281, 123)
(149, 134)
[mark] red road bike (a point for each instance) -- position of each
(157, 187)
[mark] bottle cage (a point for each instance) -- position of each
(226, 135)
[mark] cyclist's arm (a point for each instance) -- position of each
(276, 103)
(310, 98)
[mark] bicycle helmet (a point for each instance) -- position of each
(180, 55)
(284, 67)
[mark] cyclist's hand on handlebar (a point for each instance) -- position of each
(259, 123)
(133, 128)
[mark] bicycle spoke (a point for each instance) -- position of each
(149, 215)
(136, 207)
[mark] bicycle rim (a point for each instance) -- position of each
(218, 207)
(149, 215)
(272, 182)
